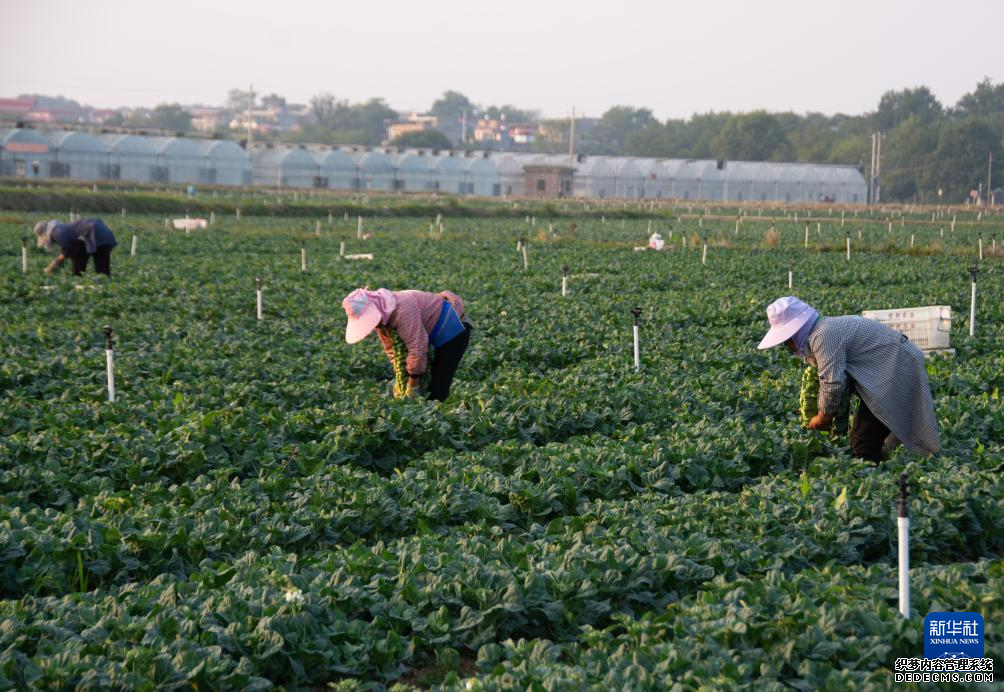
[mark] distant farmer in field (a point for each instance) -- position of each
(408, 323)
(77, 241)
(884, 369)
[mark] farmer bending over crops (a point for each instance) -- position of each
(408, 323)
(77, 241)
(884, 369)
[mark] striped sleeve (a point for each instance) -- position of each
(387, 342)
(410, 328)
(830, 351)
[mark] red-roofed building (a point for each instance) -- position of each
(16, 108)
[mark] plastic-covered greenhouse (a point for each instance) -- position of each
(629, 180)
(78, 155)
(179, 160)
(594, 178)
(130, 157)
(510, 170)
(710, 181)
(483, 177)
(226, 163)
(376, 171)
(24, 153)
(282, 167)
(657, 183)
(411, 173)
(448, 175)
(336, 169)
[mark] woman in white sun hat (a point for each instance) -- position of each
(884, 369)
(421, 319)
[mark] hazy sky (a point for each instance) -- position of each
(674, 57)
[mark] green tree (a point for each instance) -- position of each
(166, 116)
(426, 139)
(451, 105)
(338, 122)
(986, 100)
(896, 106)
(906, 153)
(756, 136)
(960, 159)
(616, 125)
(512, 114)
(237, 100)
(273, 101)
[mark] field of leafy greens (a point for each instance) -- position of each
(256, 510)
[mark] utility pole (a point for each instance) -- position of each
(463, 127)
(990, 168)
(250, 102)
(876, 167)
(571, 140)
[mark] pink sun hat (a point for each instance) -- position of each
(363, 315)
(786, 316)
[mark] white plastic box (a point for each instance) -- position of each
(927, 327)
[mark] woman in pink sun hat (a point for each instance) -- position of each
(882, 367)
(420, 319)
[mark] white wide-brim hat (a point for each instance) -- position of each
(786, 316)
(363, 316)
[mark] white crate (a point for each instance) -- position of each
(926, 327)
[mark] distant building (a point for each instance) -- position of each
(415, 122)
(16, 108)
(505, 136)
(547, 180)
(272, 119)
(208, 119)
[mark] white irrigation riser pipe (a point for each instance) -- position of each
(903, 525)
(110, 363)
(972, 302)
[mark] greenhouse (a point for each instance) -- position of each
(336, 169)
(628, 178)
(657, 183)
(482, 177)
(510, 171)
(710, 181)
(448, 175)
(179, 160)
(130, 158)
(24, 153)
(225, 163)
(594, 178)
(682, 179)
(411, 173)
(283, 167)
(78, 155)
(376, 171)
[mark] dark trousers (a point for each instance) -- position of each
(102, 259)
(445, 362)
(867, 434)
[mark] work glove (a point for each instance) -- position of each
(411, 392)
(821, 421)
(53, 266)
